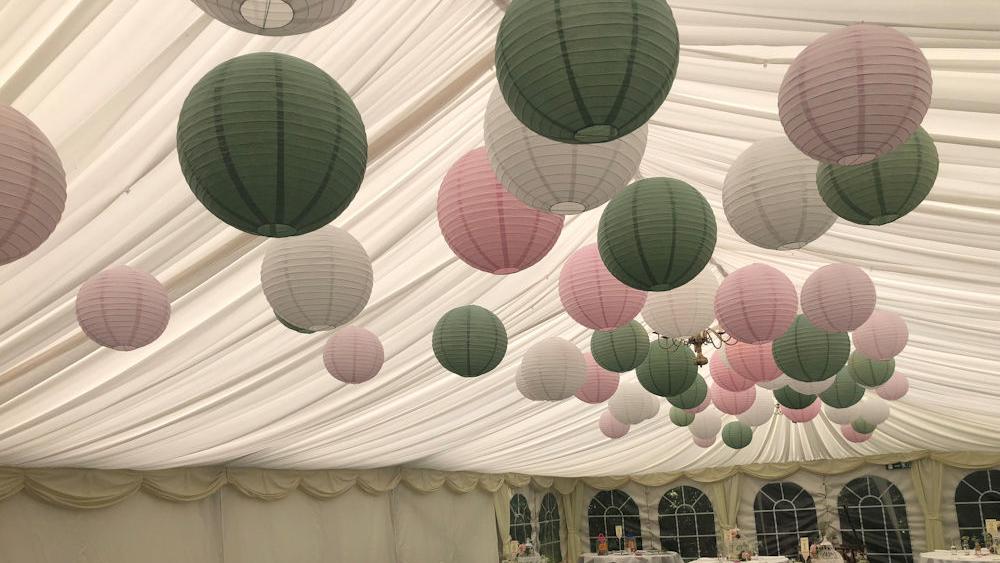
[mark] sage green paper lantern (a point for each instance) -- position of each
(862, 426)
(469, 341)
(586, 71)
(622, 349)
(271, 145)
(737, 435)
(669, 368)
(845, 392)
(792, 399)
(810, 354)
(885, 189)
(657, 234)
(681, 417)
(868, 372)
(692, 397)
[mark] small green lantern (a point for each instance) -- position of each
(737, 435)
(622, 349)
(681, 417)
(844, 392)
(868, 372)
(469, 341)
(669, 369)
(792, 399)
(692, 397)
(810, 354)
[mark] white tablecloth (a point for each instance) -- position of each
(945, 556)
(531, 559)
(668, 557)
(761, 559)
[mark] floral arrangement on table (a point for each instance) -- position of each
(737, 549)
(602, 544)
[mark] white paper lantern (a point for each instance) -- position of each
(775, 384)
(683, 311)
(317, 281)
(771, 199)
(760, 412)
(551, 370)
(611, 427)
(841, 416)
(883, 336)
(275, 17)
(557, 177)
(632, 404)
(706, 424)
(838, 297)
(705, 442)
(811, 387)
(873, 410)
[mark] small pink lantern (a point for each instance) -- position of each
(611, 427)
(704, 405)
(486, 226)
(801, 415)
(353, 354)
(853, 435)
(756, 304)
(725, 376)
(883, 336)
(894, 389)
(754, 362)
(122, 308)
(601, 384)
(838, 298)
(594, 297)
(732, 402)
(704, 442)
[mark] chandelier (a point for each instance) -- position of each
(713, 337)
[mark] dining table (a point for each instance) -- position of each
(958, 556)
(638, 557)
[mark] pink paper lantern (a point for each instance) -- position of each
(894, 389)
(756, 304)
(704, 442)
(853, 435)
(704, 405)
(801, 415)
(754, 362)
(486, 226)
(725, 376)
(601, 384)
(611, 427)
(883, 336)
(732, 402)
(838, 298)
(122, 308)
(353, 354)
(594, 297)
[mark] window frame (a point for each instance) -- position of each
(705, 541)
(884, 496)
(607, 501)
(520, 517)
(769, 515)
(549, 518)
(992, 490)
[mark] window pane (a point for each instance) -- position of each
(783, 512)
(687, 523)
(879, 518)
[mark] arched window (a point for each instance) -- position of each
(783, 512)
(687, 523)
(548, 529)
(609, 509)
(977, 499)
(873, 513)
(520, 518)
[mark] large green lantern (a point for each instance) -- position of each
(586, 71)
(885, 189)
(868, 372)
(657, 234)
(844, 392)
(693, 396)
(469, 341)
(271, 145)
(669, 368)
(792, 399)
(622, 349)
(810, 354)
(681, 417)
(862, 426)
(737, 435)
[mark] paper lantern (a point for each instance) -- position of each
(557, 177)
(873, 410)
(693, 397)
(592, 296)
(883, 336)
(353, 354)
(868, 372)
(809, 354)
(760, 412)
(705, 442)
(657, 234)
(271, 145)
(32, 186)
(622, 349)
(841, 416)
(122, 308)
(844, 392)
(885, 189)
(862, 426)
(838, 298)
(487, 227)
(732, 402)
(580, 71)
(854, 94)
(600, 385)
(770, 196)
(737, 435)
(684, 311)
(290, 326)
(551, 370)
(317, 281)
(790, 398)
(753, 362)
(775, 384)
(706, 424)
(680, 417)
(810, 387)
(631, 404)
(275, 17)
(469, 341)
(852, 435)
(894, 389)
(704, 404)
(610, 426)
(799, 416)
(669, 368)
(726, 377)
(756, 304)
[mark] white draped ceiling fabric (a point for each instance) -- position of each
(227, 384)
